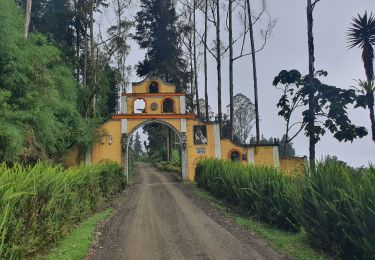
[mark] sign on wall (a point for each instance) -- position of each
(200, 134)
(201, 150)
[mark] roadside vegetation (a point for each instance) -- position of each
(333, 203)
(77, 243)
(41, 204)
(292, 244)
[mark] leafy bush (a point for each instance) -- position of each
(335, 204)
(41, 204)
(264, 192)
(338, 210)
(39, 118)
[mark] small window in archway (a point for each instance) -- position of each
(154, 87)
(168, 105)
(139, 106)
(235, 156)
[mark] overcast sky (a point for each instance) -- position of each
(287, 49)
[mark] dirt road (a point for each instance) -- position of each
(157, 221)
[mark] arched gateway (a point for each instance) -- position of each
(163, 105)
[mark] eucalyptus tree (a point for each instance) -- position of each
(362, 35)
(28, 5)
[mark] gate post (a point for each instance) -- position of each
(184, 157)
(124, 148)
(124, 144)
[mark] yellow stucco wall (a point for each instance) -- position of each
(193, 156)
(154, 99)
(142, 87)
(263, 155)
(228, 147)
(108, 151)
(292, 166)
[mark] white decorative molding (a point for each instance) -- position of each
(124, 126)
(251, 156)
(217, 141)
(275, 155)
(183, 125)
(182, 105)
(124, 105)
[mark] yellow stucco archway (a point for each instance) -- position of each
(198, 139)
(183, 167)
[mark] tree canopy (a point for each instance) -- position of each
(328, 110)
(157, 33)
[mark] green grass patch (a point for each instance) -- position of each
(77, 243)
(292, 244)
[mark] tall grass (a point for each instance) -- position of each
(334, 204)
(41, 204)
(263, 192)
(338, 210)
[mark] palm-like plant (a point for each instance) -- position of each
(362, 35)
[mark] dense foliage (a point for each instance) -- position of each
(335, 204)
(338, 210)
(43, 111)
(326, 111)
(263, 192)
(38, 95)
(158, 34)
(40, 204)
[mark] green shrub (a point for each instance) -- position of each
(338, 210)
(41, 204)
(335, 204)
(264, 192)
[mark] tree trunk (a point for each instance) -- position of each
(257, 127)
(231, 112)
(310, 36)
(370, 102)
(92, 58)
(28, 4)
(205, 58)
(218, 67)
(195, 58)
(85, 58)
(191, 67)
(78, 46)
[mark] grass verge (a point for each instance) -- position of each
(293, 245)
(76, 244)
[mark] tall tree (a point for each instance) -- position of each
(218, 64)
(195, 55)
(204, 113)
(311, 51)
(248, 28)
(243, 117)
(157, 33)
(205, 59)
(362, 35)
(255, 78)
(230, 35)
(329, 110)
(28, 4)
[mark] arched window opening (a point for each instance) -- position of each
(168, 105)
(153, 87)
(235, 156)
(139, 106)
